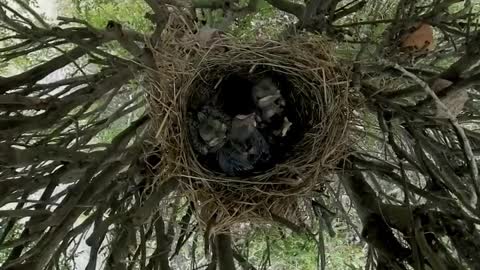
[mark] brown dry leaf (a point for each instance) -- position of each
(455, 102)
(421, 39)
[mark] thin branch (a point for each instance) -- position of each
(243, 261)
(459, 129)
(41, 71)
(159, 18)
(35, 14)
(298, 10)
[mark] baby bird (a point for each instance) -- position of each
(268, 99)
(265, 87)
(245, 148)
(209, 130)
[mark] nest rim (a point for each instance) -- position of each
(308, 62)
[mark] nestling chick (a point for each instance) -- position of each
(243, 127)
(265, 87)
(271, 106)
(209, 131)
(245, 148)
(268, 99)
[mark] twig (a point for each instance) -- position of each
(375, 22)
(35, 14)
(19, 213)
(290, 7)
(66, 20)
(459, 129)
(415, 248)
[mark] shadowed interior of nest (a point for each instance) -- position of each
(234, 92)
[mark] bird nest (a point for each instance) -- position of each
(316, 94)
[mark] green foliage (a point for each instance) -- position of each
(107, 135)
(18, 62)
(27, 61)
(342, 255)
(118, 101)
(293, 251)
(98, 12)
(13, 234)
(263, 23)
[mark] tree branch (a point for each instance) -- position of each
(41, 71)
(224, 252)
(298, 10)
(460, 131)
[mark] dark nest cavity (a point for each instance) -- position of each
(232, 94)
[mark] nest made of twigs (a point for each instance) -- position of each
(317, 93)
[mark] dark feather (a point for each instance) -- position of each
(232, 161)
